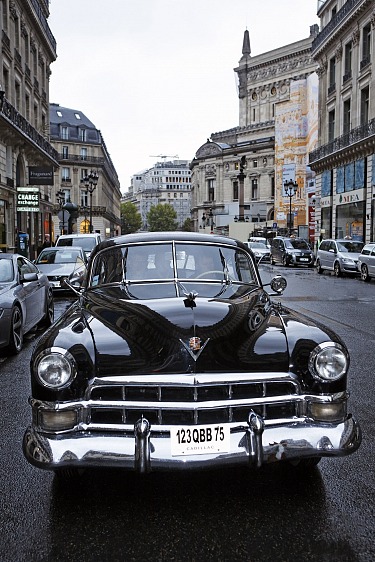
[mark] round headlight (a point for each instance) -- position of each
(55, 367)
(329, 362)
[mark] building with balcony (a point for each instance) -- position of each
(81, 151)
(344, 161)
(27, 50)
(167, 182)
(238, 174)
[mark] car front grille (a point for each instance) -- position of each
(195, 403)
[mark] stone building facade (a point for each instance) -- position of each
(235, 174)
(344, 161)
(27, 50)
(167, 182)
(81, 150)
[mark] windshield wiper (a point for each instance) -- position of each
(227, 279)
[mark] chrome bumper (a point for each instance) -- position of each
(145, 449)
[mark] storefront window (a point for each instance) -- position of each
(349, 221)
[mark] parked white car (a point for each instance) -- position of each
(366, 262)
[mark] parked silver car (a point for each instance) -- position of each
(61, 263)
(26, 299)
(366, 262)
(339, 256)
(260, 251)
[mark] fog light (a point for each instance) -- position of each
(58, 420)
(328, 411)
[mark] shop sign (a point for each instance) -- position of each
(325, 202)
(28, 199)
(351, 197)
(40, 175)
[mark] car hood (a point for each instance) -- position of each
(4, 287)
(350, 255)
(299, 251)
(109, 336)
(58, 269)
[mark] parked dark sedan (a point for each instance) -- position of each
(175, 357)
(291, 252)
(25, 300)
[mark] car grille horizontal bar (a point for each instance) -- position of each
(163, 404)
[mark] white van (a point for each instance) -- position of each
(86, 241)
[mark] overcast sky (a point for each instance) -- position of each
(156, 76)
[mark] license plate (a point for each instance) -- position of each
(200, 439)
(304, 259)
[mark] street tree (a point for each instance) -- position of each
(187, 225)
(131, 220)
(161, 217)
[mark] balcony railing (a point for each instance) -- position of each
(333, 24)
(352, 137)
(81, 158)
(347, 76)
(19, 122)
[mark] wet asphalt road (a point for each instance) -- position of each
(268, 515)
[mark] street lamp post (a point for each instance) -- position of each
(290, 189)
(90, 181)
(60, 196)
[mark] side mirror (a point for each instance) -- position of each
(278, 284)
(28, 277)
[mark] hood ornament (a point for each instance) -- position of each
(195, 346)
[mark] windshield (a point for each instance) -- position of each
(53, 255)
(350, 246)
(297, 244)
(180, 267)
(257, 245)
(86, 243)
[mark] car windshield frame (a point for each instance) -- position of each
(297, 244)
(350, 246)
(45, 256)
(174, 269)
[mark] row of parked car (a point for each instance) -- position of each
(340, 256)
(27, 288)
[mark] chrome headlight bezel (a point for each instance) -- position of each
(329, 362)
(55, 368)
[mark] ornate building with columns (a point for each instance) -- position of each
(344, 161)
(238, 174)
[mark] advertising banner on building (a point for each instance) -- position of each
(28, 199)
(40, 175)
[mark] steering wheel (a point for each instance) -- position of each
(206, 273)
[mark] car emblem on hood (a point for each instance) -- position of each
(195, 346)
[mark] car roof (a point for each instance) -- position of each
(62, 248)
(177, 236)
(83, 235)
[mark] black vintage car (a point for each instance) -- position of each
(174, 356)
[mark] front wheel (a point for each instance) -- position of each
(285, 261)
(319, 268)
(16, 331)
(337, 269)
(364, 273)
